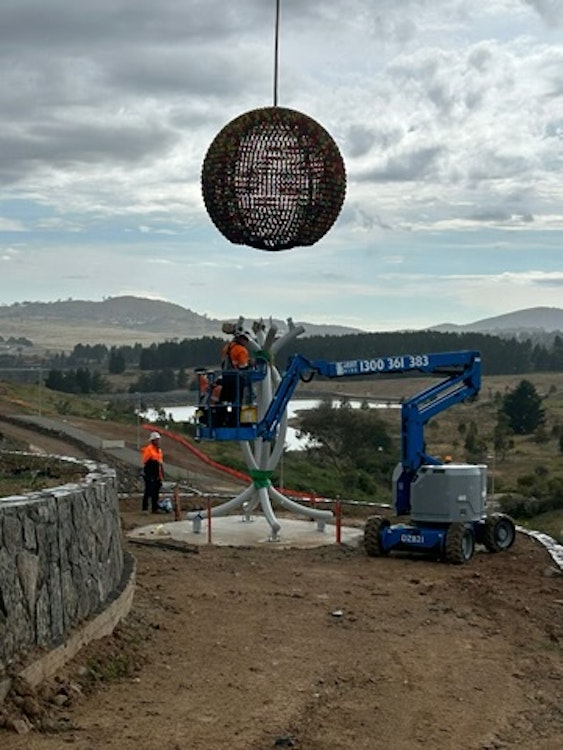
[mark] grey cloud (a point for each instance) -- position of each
(361, 139)
(194, 71)
(68, 25)
(416, 164)
(493, 165)
(501, 216)
(480, 57)
(441, 95)
(550, 10)
(490, 215)
(169, 45)
(554, 77)
(60, 144)
(355, 215)
(122, 143)
(551, 282)
(554, 128)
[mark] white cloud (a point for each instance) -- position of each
(8, 254)
(10, 225)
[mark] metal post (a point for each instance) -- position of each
(137, 410)
(177, 512)
(338, 514)
(208, 520)
(39, 379)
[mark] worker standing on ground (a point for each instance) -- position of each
(153, 472)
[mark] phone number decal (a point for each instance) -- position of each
(382, 364)
(388, 364)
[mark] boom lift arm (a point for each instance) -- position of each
(461, 373)
(461, 379)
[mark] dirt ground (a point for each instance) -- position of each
(257, 648)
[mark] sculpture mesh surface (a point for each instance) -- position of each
(273, 179)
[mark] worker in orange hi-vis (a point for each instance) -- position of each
(234, 355)
(153, 472)
(203, 384)
(235, 359)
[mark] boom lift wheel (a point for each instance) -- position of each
(499, 532)
(372, 535)
(460, 543)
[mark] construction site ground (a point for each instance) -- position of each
(319, 648)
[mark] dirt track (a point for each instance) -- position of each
(250, 649)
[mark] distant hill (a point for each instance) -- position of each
(518, 323)
(116, 321)
(128, 320)
(133, 313)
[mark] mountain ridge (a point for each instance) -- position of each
(128, 320)
(529, 319)
(125, 320)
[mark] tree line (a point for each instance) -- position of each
(164, 366)
(500, 356)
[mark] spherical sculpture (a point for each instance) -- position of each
(273, 179)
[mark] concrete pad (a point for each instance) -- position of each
(236, 531)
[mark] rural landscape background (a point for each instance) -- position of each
(107, 360)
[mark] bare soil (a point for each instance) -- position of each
(257, 648)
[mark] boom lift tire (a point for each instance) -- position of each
(372, 535)
(499, 532)
(460, 543)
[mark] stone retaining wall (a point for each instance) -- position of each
(61, 562)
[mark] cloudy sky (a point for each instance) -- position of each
(448, 114)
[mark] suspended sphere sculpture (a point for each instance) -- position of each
(273, 179)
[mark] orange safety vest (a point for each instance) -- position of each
(150, 452)
(234, 356)
(215, 396)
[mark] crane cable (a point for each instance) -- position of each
(276, 52)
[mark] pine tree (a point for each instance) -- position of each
(523, 409)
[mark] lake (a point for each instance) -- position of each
(292, 441)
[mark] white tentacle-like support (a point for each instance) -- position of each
(263, 456)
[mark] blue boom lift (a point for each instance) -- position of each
(446, 503)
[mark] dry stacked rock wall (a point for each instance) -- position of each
(61, 561)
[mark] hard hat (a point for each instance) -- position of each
(154, 436)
